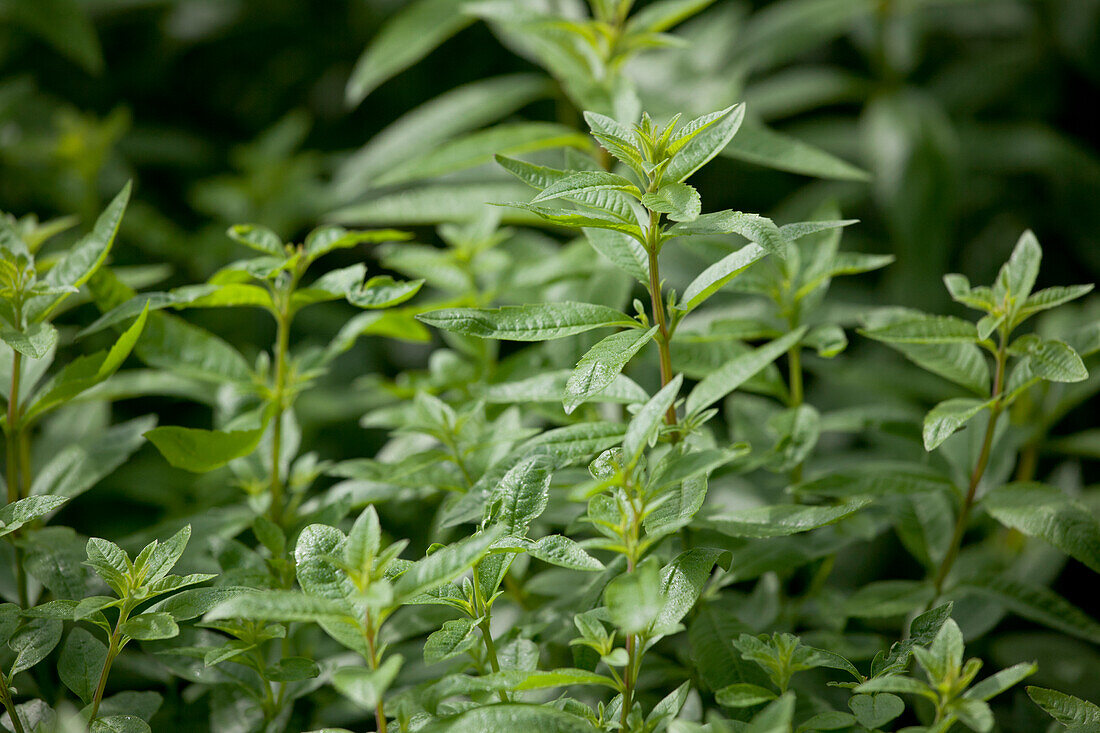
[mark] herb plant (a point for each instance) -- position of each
(627, 459)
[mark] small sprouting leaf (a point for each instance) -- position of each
(536, 322)
(699, 140)
(1017, 276)
(679, 201)
(599, 367)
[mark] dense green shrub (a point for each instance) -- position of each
(621, 468)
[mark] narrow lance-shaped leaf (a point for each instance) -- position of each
(535, 322)
(602, 364)
(737, 371)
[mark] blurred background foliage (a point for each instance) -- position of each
(947, 127)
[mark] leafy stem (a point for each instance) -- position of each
(9, 705)
(370, 633)
(282, 343)
(633, 653)
(114, 646)
(15, 471)
(1001, 357)
(663, 336)
(483, 612)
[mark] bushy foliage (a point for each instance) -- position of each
(631, 461)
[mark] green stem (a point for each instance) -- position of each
(633, 654)
(371, 632)
(481, 608)
(975, 477)
(282, 346)
(15, 471)
(113, 648)
(657, 304)
(9, 705)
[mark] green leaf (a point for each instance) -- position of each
(583, 182)
(752, 227)
(478, 148)
(682, 581)
(743, 695)
(1038, 604)
(431, 204)
(325, 239)
(886, 598)
(1051, 298)
(456, 637)
(83, 259)
(280, 605)
(1079, 715)
(563, 552)
(82, 464)
(925, 330)
(775, 718)
(1049, 359)
(521, 496)
(944, 419)
(661, 15)
(1018, 275)
(35, 342)
(65, 25)
(407, 37)
(120, 724)
(875, 711)
(81, 662)
(997, 683)
(737, 371)
(698, 141)
(512, 717)
(366, 687)
(634, 599)
(781, 520)
(1043, 511)
(292, 669)
(715, 277)
(150, 627)
(258, 238)
(33, 641)
(758, 144)
(621, 250)
(452, 113)
(535, 322)
(200, 451)
(963, 364)
(679, 201)
(444, 565)
(21, 511)
(602, 364)
(643, 427)
(85, 372)
(383, 292)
